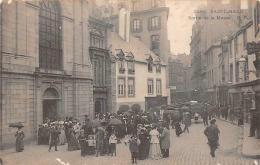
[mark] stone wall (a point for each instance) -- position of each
(24, 83)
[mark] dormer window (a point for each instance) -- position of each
(121, 66)
(130, 63)
(158, 64)
(150, 64)
(158, 68)
(131, 67)
(121, 60)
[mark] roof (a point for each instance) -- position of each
(134, 47)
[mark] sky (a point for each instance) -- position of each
(179, 25)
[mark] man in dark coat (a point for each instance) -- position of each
(100, 135)
(133, 147)
(54, 137)
(212, 132)
(144, 144)
(205, 117)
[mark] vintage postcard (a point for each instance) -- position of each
(120, 82)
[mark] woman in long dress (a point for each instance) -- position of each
(72, 141)
(62, 136)
(19, 140)
(155, 150)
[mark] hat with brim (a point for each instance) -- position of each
(213, 121)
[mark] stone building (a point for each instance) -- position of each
(45, 64)
(148, 23)
(179, 73)
(103, 65)
(141, 75)
(207, 31)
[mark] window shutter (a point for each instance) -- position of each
(159, 22)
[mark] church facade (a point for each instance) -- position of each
(46, 69)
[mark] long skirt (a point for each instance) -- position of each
(73, 143)
(155, 151)
(19, 145)
(62, 138)
(143, 151)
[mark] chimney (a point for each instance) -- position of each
(124, 24)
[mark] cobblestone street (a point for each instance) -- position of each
(189, 149)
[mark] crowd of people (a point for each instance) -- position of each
(146, 134)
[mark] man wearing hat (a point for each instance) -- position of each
(212, 132)
(54, 136)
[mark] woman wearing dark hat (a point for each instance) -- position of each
(144, 144)
(212, 132)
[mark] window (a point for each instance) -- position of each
(224, 47)
(257, 17)
(98, 70)
(131, 67)
(246, 72)
(131, 87)
(121, 66)
(158, 68)
(137, 25)
(150, 67)
(231, 73)
(121, 86)
(245, 39)
(158, 87)
(155, 43)
(150, 86)
(237, 71)
(154, 23)
(50, 35)
(97, 41)
(223, 73)
(235, 46)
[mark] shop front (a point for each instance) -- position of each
(244, 105)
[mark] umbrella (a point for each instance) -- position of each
(115, 121)
(16, 125)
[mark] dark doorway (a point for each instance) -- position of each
(50, 104)
(98, 107)
(50, 109)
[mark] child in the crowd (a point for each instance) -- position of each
(133, 147)
(112, 144)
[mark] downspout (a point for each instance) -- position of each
(1, 66)
(74, 68)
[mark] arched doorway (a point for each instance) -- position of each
(50, 104)
(98, 107)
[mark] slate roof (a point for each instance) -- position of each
(134, 47)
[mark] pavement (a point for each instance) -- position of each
(251, 145)
(188, 149)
